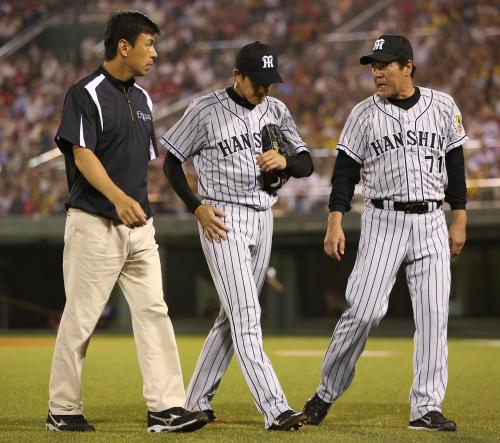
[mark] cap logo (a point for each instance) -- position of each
(378, 44)
(268, 61)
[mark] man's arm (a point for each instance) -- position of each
(129, 211)
(345, 176)
(334, 243)
(207, 215)
(456, 196)
(456, 231)
(298, 166)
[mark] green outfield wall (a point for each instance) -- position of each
(32, 292)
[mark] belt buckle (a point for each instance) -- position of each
(417, 208)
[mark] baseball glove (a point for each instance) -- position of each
(273, 138)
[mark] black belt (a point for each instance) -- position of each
(410, 207)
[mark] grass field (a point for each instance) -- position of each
(375, 408)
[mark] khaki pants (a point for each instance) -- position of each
(97, 254)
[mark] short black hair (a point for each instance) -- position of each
(402, 63)
(127, 25)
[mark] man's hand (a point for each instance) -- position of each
(456, 231)
(213, 227)
(270, 160)
(334, 243)
(130, 211)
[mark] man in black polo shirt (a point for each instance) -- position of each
(107, 138)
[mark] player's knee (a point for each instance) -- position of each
(245, 329)
(156, 308)
(368, 320)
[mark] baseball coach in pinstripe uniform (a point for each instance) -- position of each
(407, 143)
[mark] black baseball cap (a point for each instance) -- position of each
(259, 62)
(388, 48)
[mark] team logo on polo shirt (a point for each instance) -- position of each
(143, 116)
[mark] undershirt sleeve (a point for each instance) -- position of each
(172, 167)
(456, 192)
(345, 176)
(300, 165)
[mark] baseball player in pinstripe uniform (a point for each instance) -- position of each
(407, 143)
(221, 132)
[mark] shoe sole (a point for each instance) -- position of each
(293, 424)
(50, 427)
(422, 428)
(189, 426)
(53, 428)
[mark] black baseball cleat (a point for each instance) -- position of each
(288, 421)
(176, 419)
(68, 423)
(315, 409)
(433, 421)
(212, 419)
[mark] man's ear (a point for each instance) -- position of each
(409, 67)
(123, 47)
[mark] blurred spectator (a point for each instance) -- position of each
(456, 46)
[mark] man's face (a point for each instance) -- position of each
(252, 92)
(390, 80)
(142, 55)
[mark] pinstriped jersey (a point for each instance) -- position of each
(223, 138)
(402, 152)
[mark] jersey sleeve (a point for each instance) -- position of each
(78, 124)
(185, 138)
(352, 139)
(456, 132)
(291, 132)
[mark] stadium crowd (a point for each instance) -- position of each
(456, 51)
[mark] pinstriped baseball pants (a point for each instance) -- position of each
(238, 266)
(388, 240)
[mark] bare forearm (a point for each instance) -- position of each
(334, 243)
(459, 215)
(457, 231)
(93, 170)
(128, 210)
(335, 218)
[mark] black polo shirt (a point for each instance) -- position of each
(113, 119)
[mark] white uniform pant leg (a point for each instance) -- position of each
(94, 253)
(382, 247)
(428, 276)
(218, 347)
(231, 265)
(141, 283)
(212, 363)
